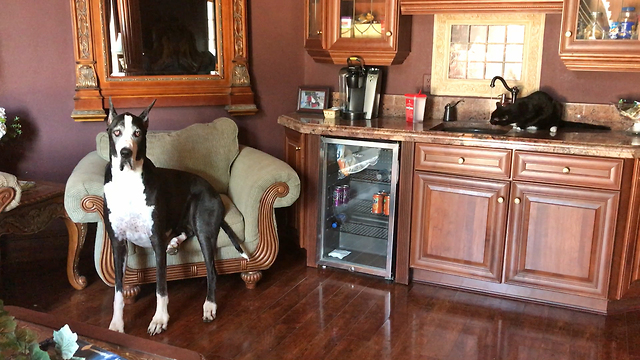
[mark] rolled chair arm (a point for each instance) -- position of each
(6, 196)
(86, 179)
(252, 173)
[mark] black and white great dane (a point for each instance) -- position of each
(156, 208)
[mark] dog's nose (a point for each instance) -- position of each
(126, 153)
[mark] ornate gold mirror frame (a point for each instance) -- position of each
(229, 86)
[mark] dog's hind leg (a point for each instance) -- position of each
(120, 262)
(161, 317)
(207, 228)
(234, 239)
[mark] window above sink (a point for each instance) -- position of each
(469, 50)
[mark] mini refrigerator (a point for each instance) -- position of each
(358, 184)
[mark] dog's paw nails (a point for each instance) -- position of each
(156, 328)
(209, 311)
(172, 250)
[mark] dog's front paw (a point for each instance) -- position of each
(209, 311)
(117, 325)
(158, 324)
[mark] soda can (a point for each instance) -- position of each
(337, 196)
(385, 206)
(378, 200)
(345, 194)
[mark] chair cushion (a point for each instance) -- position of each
(204, 149)
(189, 250)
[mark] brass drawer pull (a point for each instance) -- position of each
(516, 200)
(460, 160)
(566, 170)
(500, 200)
(298, 148)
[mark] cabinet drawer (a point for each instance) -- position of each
(603, 173)
(462, 160)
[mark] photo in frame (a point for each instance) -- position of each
(313, 99)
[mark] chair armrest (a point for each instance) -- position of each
(86, 179)
(252, 173)
(10, 192)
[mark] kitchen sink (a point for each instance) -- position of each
(461, 127)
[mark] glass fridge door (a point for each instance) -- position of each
(358, 205)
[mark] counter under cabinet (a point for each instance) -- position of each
(530, 215)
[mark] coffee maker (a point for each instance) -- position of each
(359, 90)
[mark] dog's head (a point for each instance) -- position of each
(127, 137)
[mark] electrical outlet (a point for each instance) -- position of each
(426, 83)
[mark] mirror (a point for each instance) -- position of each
(181, 52)
(169, 37)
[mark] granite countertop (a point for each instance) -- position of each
(614, 143)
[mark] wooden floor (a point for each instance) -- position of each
(304, 313)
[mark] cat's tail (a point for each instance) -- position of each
(580, 125)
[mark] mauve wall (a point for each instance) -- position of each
(567, 86)
(37, 83)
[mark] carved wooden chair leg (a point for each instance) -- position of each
(251, 278)
(77, 235)
(130, 292)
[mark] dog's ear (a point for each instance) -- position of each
(145, 114)
(112, 113)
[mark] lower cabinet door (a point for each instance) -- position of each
(459, 225)
(561, 238)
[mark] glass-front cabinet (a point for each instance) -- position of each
(600, 35)
(371, 29)
(357, 205)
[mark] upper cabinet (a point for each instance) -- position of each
(420, 7)
(600, 35)
(182, 53)
(371, 29)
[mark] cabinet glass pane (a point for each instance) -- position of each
(362, 18)
(315, 19)
(607, 20)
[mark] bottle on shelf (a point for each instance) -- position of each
(627, 23)
(337, 220)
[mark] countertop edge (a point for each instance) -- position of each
(418, 134)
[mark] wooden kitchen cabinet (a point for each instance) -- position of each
(371, 29)
(549, 221)
(582, 48)
(561, 238)
(294, 156)
(459, 225)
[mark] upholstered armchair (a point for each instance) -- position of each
(252, 184)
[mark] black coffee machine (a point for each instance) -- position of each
(359, 90)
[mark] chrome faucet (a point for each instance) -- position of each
(513, 90)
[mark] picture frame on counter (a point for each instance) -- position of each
(313, 99)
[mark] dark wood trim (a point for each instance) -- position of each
(425, 7)
(403, 213)
(312, 177)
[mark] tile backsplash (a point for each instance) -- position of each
(479, 109)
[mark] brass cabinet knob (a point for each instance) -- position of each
(388, 33)
(319, 32)
(500, 200)
(460, 160)
(298, 148)
(568, 33)
(566, 170)
(516, 200)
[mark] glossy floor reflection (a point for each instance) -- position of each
(303, 313)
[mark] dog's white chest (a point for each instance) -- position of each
(129, 214)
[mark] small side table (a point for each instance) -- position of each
(41, 202)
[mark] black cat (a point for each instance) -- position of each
(537, 110)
